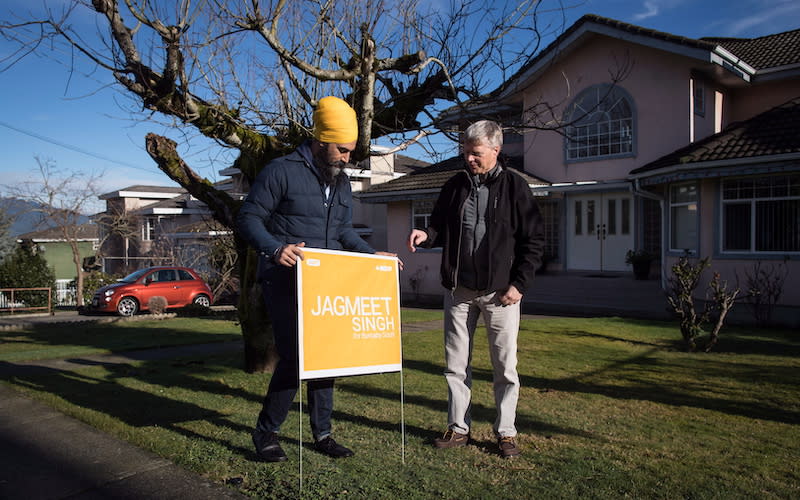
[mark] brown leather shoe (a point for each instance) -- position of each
(451, 439)
(508, 447)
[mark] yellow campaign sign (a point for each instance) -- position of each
(348, 314)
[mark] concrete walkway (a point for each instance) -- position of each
(47, 455)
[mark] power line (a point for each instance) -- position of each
(72, 148)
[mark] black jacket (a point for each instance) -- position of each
(514, 231)
(287, 204)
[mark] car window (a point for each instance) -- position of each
(166, 275)
(184, 275)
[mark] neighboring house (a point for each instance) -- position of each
(369, 221)
(649, 141)
(143, 213)
(167, 225)
(58, 253)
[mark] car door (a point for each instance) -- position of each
(163, 283)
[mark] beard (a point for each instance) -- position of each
(331, 171)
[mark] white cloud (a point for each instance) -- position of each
(767, 14)
(651, 10)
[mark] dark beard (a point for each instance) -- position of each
(331, 171)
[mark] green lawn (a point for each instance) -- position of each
(609, 408)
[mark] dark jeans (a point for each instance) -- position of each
(280, 297)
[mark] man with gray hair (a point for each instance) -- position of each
(492, 236)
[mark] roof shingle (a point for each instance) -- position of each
(773, 132)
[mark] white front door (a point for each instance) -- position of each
(599, 231)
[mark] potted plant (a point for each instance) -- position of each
(640, 260)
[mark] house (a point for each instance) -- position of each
(645, 141)
(57, 251)
(158, 224)
(138, 215)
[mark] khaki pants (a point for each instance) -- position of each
(461, 310)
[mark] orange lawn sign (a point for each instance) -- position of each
(348, 314)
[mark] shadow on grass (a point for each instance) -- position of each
(133, 407)
(480, 413)
(646, 377)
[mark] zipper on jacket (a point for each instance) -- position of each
(460, 234)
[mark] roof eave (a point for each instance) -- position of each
(733, 162)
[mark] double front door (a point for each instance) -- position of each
(599, 231)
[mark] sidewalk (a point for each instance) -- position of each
(47, 455)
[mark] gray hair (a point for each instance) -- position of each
(484, 132)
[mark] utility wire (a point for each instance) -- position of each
(72, 148)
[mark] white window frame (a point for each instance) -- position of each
(149, 228)
(692, 205)
(751, 191)
(594, 133)
(422, 208)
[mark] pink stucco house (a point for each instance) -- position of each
(634, 139)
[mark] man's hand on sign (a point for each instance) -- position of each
(415, 238)
(288, 255)
(390, 254)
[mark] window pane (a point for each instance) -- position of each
(590, 217)
(603, 124)
(684, 227)
(684, 194)
(777, 226)
(578, 217)
(736, 226)
(626, 216)
(612, 216)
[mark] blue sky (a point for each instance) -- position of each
(78, 123)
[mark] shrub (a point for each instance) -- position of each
(763, 287)
(92, 282)
(682, 283)
(26, 268)
(157, 305)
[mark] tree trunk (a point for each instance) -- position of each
(259, 348)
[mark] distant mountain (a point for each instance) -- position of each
(26, 217)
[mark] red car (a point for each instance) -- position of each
(179, 285)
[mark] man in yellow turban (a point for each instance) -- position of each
(300, 199)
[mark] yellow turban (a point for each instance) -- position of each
(335, 121)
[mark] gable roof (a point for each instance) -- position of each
(735, 61)
(770, 51)
(84, 232)
(424, 182)
(772, 136)
(141, 191)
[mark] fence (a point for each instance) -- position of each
(65, 293)
(16, 299)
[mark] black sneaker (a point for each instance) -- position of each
(333, 449)
(508, 447)
(451, 439)
(267, 446)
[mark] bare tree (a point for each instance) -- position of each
(62, 198)
(247, 74)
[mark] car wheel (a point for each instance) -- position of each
(127, 306)
(202, 300)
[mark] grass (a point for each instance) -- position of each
(609, 408)
(81, 339)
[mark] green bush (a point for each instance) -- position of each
(26, 268)
(92, 282)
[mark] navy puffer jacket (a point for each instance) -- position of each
(287, 205)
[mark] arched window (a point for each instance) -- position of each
(600, 124)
